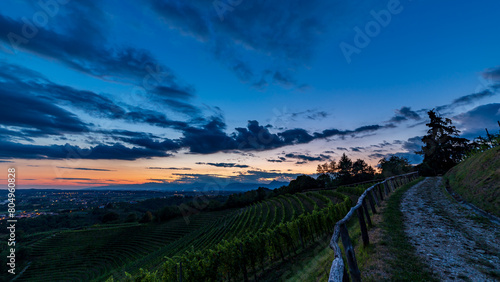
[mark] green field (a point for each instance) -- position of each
(111, 250)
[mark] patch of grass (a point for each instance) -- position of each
(479, 219)
(494, 273)
(405, 265)
(463, 277)
(477, 180)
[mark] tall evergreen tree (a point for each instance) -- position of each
(443, 148)
(344, 169)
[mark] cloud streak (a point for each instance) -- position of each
(225, 165)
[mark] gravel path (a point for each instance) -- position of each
(455, 242)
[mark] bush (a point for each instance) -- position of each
(131, 217)
(110, 216)
(148, 217)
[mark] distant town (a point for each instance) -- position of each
(32, 203)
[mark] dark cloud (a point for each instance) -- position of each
(310, 114)
(356, 149)
(412, 158)
(283, 78)
(342, 149)
(256, 137)
(279, 160)
(223, 164)
(352, 133)
(140, 115)
(39, 116)
(283, 32)
(149, 143)
(467, 99)
(34, 110)
(295, 136)
(492, 73)
(308, 158)
(329, 152)
(85, 168)
(413, 144)
(80, 42)
(11, 150)
(376, 156)
(208, 139)
(40, 99)
(170, 168)
(382, 145)
(474, 122)
(405, 113)
(92, 103)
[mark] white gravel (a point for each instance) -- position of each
(447, 238)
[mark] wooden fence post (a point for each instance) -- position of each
(387, 187)
(362, 225)
(375, 197)
(367, 213)
(349, 253)
(345, 277)
(380, 192)
(370, 199)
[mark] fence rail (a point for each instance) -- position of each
(374, 195)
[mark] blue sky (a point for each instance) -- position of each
(98, 92)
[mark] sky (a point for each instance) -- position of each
(126, 92)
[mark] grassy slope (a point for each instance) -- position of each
(477, 180)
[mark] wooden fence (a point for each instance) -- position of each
(373, 195)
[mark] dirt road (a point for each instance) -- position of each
(454, 241)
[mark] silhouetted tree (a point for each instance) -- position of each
(328, 168)
(345, 172)
(361, 171)
(394, 166)
(443, 148)
(325, 180)
(110, 216)
(303, 182)
(148, 217)
(132, 217)
(344, 169)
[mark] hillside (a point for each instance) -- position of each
(477, 180)
(98, 252)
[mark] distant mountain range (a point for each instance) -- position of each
(172, 187)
